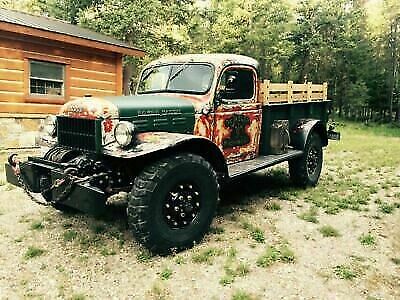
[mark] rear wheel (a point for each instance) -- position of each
(173, 202)
(306, 170)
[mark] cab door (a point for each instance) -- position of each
(237, 115)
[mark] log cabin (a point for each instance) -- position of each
(46, 62)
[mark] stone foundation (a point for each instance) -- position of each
(19, 131)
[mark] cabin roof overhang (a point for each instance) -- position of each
(56, 30)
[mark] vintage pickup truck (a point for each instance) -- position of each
(195, 123)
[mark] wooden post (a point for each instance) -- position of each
(290, 91)
(325, 91)
(261, 91)
(267, 87)
(304, 92)
(309, 91)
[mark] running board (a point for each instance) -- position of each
(245, 167)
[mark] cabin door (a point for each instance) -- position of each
(237, 114)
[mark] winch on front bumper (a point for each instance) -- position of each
(72, 181)
(36, 175)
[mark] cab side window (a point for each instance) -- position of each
(237, 84)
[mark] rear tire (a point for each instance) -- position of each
(173, 202)
(306, 170)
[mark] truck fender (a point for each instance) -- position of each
(300, 132)
(159, 144)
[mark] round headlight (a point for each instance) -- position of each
(50, 125)
(124, 133)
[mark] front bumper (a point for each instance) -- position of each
(35, 172)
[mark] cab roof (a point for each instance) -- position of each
(217, 59)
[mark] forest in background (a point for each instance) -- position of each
(354, 45)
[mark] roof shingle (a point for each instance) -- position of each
(60, 27)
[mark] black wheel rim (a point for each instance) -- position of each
(313, 159)
(182, 205)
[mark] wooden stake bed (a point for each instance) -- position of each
(271, 93)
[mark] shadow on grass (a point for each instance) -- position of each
(256, 188)
(107, 233)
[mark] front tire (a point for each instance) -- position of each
(173, 202)
(306, 170)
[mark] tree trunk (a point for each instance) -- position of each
(394, 62)
(263, 69)
(127, 75)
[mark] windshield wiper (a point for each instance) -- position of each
(151, 70)
(179, 71)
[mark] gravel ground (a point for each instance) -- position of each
(267, 241)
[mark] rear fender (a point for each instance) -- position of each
(159, 144)
(302, 130)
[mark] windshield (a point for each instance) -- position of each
(187, 78)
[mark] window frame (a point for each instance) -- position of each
(42, 98)
(172, 64)
(244, 100)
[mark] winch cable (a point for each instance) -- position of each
(69, 180)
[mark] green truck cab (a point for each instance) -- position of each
(195, 123)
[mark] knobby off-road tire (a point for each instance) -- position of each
(305, 170)
(173, 202)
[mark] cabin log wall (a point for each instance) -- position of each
(88, 71)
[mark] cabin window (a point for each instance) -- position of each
(237, 84)
(46, 78)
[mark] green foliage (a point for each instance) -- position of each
(206, 255)
(231, 252)
(78, 297)
(180, 260)
(233, 268)
(274, 254)
(328, 231)
(386, 208)
(69, 235)
(166, 273)
(37, 225)
(33, 252)
(242, 295)
(256, 233)
(345, 272)
(107, 252)
(272, 205)
(314, 40)
(144, 256)
(367, 239)
(310, 215)
(158, 291)
(286, 254)
(226, 280)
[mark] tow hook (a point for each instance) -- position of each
(13, 160)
